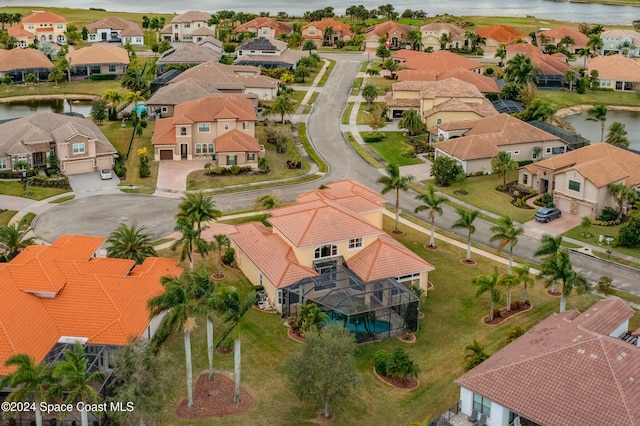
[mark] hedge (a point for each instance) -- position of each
(10, 174)
(100, 77)
(372, 138)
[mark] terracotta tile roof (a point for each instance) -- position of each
(92, 298)
(164, 132)
(450, 87)
(98, 54)
(556, 34)
(213, 108)
(41, 16)
(337, 26)
(547, 64)
(385, 28)
(23, 59)
(128, 28)
(562, 360)
(483, 83)
(615, 67)
(484, 108)
(347, 193)
(236, 141)
(271, 255)
(600, 163)
(386, 258)
(320, 221)
(191, 16)
(439, 62)
(18, 31)
(500, 33)
(204, 31)
(454, 31)
(261, 22)
(400, 102)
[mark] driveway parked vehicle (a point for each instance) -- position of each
(105, 174)
(547, 214)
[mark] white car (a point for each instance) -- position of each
(105, 174)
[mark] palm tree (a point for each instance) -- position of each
(522, 274)
(134, 80)
(75, 380)
(598, 113)
(267, 202)
(617, 135)
(204, 288)
(622, 194)
(466, 221)
(133, 97)
(219, 243)
(394, 181)
(199, 208)
(370, 93)
(488, 283)
(520, 70)
(190, 237)
(474, 355)
(179, 301)
(445, 39)
(13, 239)
(569, 77)
(415, 38)
(328, 34)
(411, 122)
(508, 281)
(30, 382)
(506, 232)
(558, 268)
(549, 245)
(283, 105)
(433, 202)
(113, 97)
(595, 43)
(233, 308)
(130, 242)
(501, 53)
(56, 75)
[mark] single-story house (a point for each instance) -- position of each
(432, 34)
(551, 68)
(317, 32)
(496, 35)
(474, 143)
(267, 53)
(555, 35)
(207, 50)
(77, 143)
(483, 83)
(570, 369)
(115, 30)
(438, 62)
(615, 72)
(97, 59)
(264, 27)
(395, 33)
(579, 180)
(17, 63)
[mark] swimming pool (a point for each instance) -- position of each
(363, 326)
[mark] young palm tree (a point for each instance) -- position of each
(190, 238)
(558, 268)
(75, 380)
(13, 239)
(30, 382)
(267, 202)
(283, 105)
(130, 242)
(179, 301)
(370, 93)
(522, 274)
(466, 221)
(507, 233)
(199, 208)
(433, 202)
(220, 242)
(617, 135)
(233, 308)
(56, 75)
(622, 194)
(474, 355)
(598, 113)
(394, 181)
(488, 283)
(508, 281)
(411, 122)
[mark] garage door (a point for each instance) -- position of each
(104, 163)
(564, 205)
(76, 167)
(166, 154)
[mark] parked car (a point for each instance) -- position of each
(105, 174)
(546, 214)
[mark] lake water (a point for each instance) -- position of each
(591, 129)
(21, 108)
(544, 9)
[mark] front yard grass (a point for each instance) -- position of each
(591, 235)
(35, 192)
(392, 147)
(383, 84)
(346, 114)
(439, 349)
(327, 73)
(6, 215)
(363, 112)
(277, 162)
(483, 195)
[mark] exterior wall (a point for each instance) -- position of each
(54, 36)
(263, 93)
(251, 271)
(374, 218)
(182, 31)
(449, 117)
(499, 414)
(474, 166)
(104, 162)
(136, 41)
(620, 330)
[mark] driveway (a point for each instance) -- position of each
(556, 227)
(90, 182)
(172, 176)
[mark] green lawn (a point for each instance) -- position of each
(347, 113)
(483, 195)
(562, 99)
(392, 147)
(62, 199)
(35, 192)
(356, 86)
(6, 215)
(306, 144)
(298, 96)
(383, 84)
(438, 350)
(95, 88)
(591, 235)
(312, 100)
(363, 112)
(359, 149)
(325, 77)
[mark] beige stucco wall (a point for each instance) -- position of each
(251, 271)
(305, 255)
(449, 117)
(374, 218)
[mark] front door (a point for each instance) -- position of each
(184, 150)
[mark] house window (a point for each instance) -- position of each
(30, 26)
(251, 156)
(204, 127)
(226, 126)
(78, 148)
(187, 25)
(265, 31)
(548, 150)
(92, 37)
(3, 163)
(482, 405)
(176, 26)
(438, 120)
(164, 109)
(112, 68)
(280, 297)
(574, 186)
(183, 131)
(516, 152)
(232, 160)
(558, 150)
(198, 148)
(211, 148)
(245, 125)
(59, 26)
(409, 280)
(329, 250)
(525, 179)
(355, 243)
(312, 31)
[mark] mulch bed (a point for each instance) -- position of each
(223, 351)
(411, 339)
(218, 277)
(410, 383)
(321, 419)
(460, 192)
(397, 232)
(294, 336)
(553, 293)
(214, 399)
(504, 315)
(428, 247)
(468, 262)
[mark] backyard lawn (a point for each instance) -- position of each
(96, 88)
(392, 147)
(562, 99)
(452, 321)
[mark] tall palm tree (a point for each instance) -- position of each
(508, 281)
(394, 181)
(179, 301)
(433, 202)
(549, 245)
(569, 77)
(30, 382)
(412, 122)
(13, 239)
(130, 242)
(595, 43)
(190, 238)
(199, 208)
(617, 135)
(113, 97)
(488, 283)
(204, 288)
(623, 195)
(598, 113)
(415, 38)
(520, 70)
(233, 307)
(75, 380)
(267, 202)
(370, 93)
(445, 39)
(466, 221)
(501, 53)
(559, 268)
(522, 274)
(507, 233)
(283, 105)
(219, 243)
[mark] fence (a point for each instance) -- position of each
(446, 416)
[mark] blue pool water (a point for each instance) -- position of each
(371, 326)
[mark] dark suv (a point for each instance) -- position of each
(546, 214)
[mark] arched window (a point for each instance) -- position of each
(329, 250)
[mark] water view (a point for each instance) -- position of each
(591, 129)
(17, 109)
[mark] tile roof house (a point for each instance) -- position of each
(212, 78)
(207, 50)
(551, 68)
(268, 53)
(440, 101)
(395, 33)
(615, 72)
(114, 29)
(264, 27)
(438, 62)
(316, 32)
(77, 143)
(338, 225)
(579, 180)
(483, 83)
(46, 26)
(219, 128)
(182, 27)
(621, 41)
(433, 32)
(474, 143)
(555, 36)
(17, 63)
(570, 369)
(62, 294)
(24, 37)
(97, 59)
(495, 35)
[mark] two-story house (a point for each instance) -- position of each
(435, 33)
(182, 27)
(497, 35)
(395, 34)
(326, 32)
(97, 59)
(216, 128)
(267, 53)
(45, 26)
(556, 36)
(621, 41)
(264, 27)
(115, 30)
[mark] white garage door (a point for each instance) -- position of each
(76, 167)
(104, 163)
(564, 205)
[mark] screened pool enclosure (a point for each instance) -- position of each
(373, 310)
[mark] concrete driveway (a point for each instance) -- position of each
(90, 182)
(556, 227)
(172, 176)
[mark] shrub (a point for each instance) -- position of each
(229, 256)
(608, 214)
(218, 171)
(145, 171)
(372, 138)
(630, 234)
(546, 200)
(119, 169)
(516, 305)
(294, 324)
(382, 360)
(235, 169)
(607, 222)
(496, 314)
(524, 162)
(263, 164)
(101, 77)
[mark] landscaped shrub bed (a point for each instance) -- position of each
(10, 174)
(233, 170)
(101, 77)
(519, 194)
(50, 182)
(500, 315)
